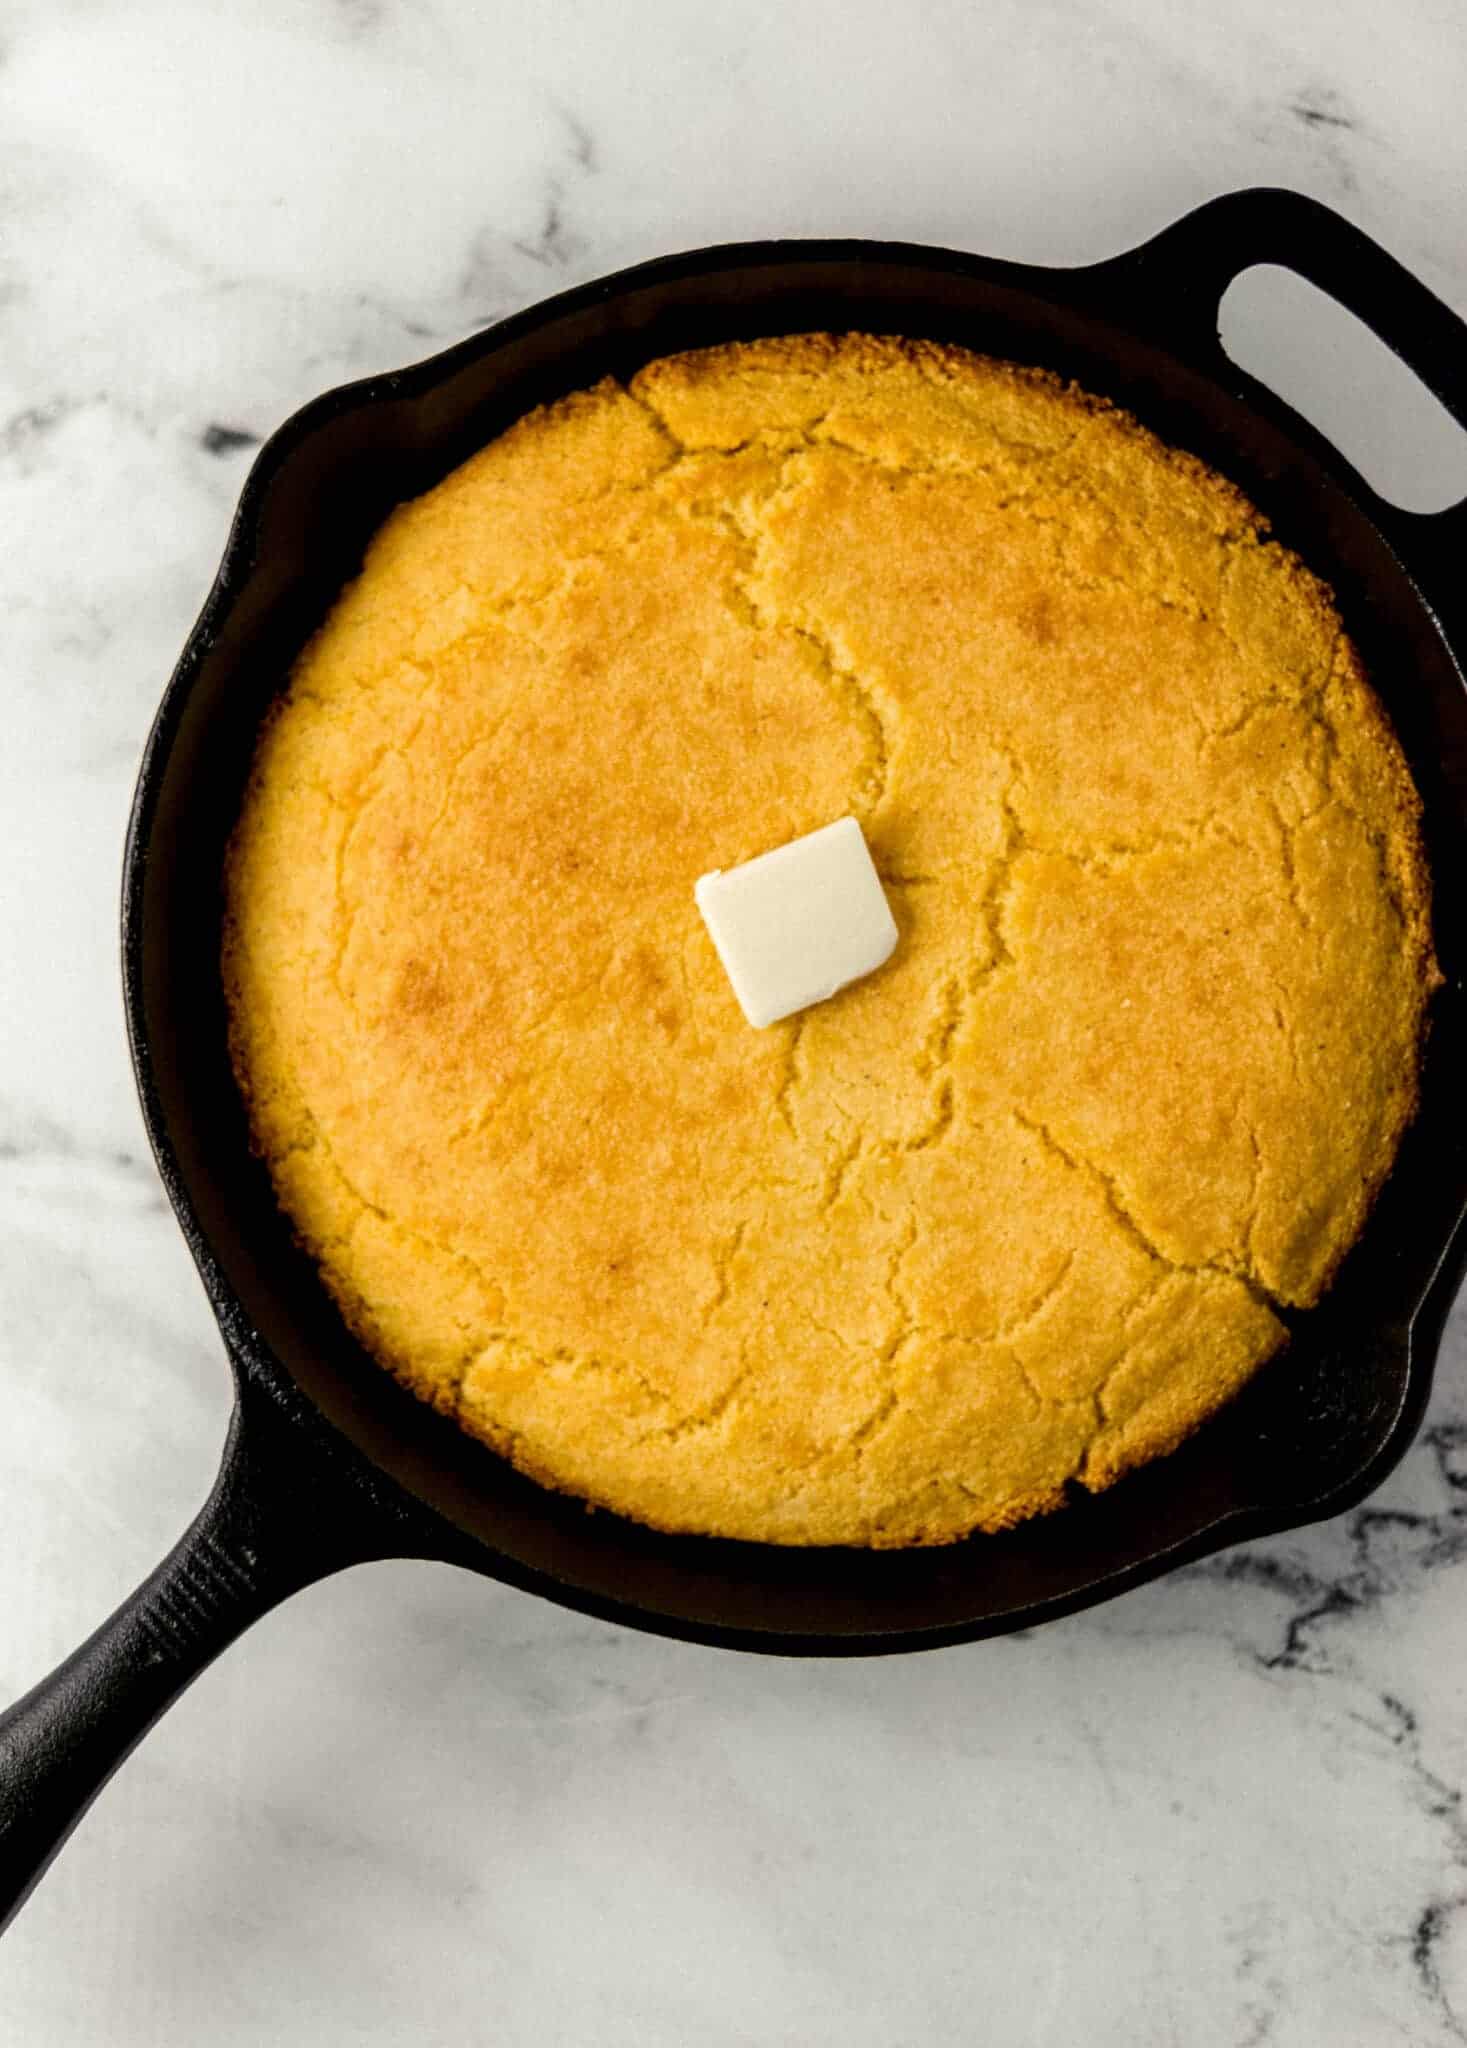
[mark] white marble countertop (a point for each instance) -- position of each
(412, 1807)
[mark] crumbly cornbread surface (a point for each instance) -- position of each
(1014, 1212)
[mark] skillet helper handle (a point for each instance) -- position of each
(1179, 278)
(273, 1524)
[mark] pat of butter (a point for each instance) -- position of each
(796, 924)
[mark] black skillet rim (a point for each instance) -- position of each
(254, 1359)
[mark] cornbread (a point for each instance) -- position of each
(1017, 1211)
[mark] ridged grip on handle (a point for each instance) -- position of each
(277, 1519)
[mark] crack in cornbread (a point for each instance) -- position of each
(1018, 1211)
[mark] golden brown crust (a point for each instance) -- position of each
(1012, 1214)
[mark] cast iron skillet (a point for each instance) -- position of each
(328, 1462)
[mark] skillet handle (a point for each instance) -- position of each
(1178, 279)
(278, 1519)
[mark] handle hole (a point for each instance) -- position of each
(1330, 367)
